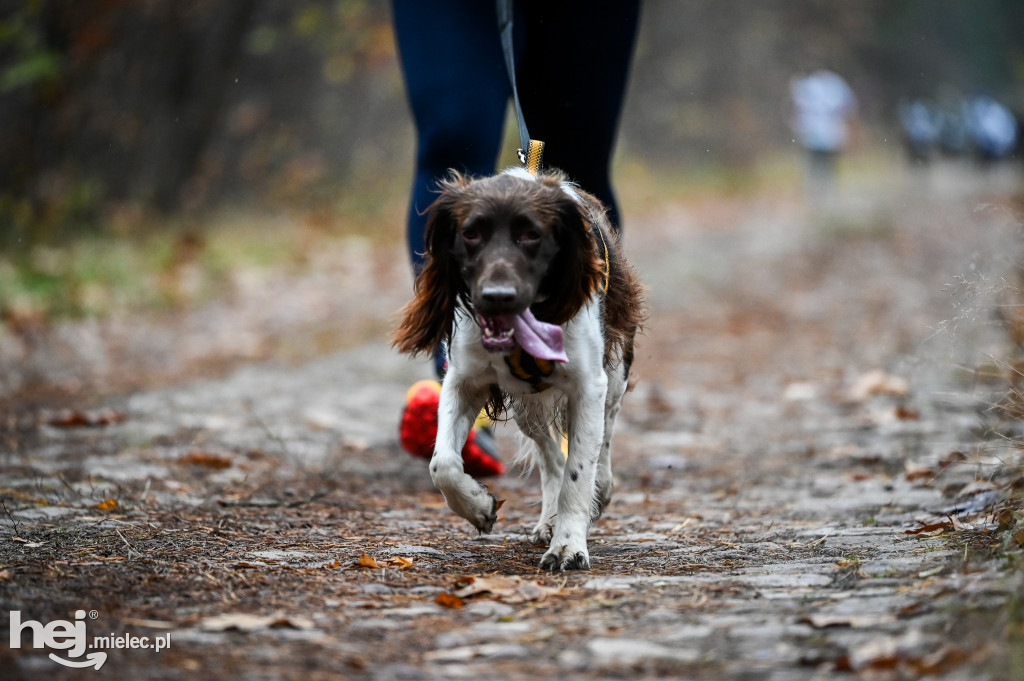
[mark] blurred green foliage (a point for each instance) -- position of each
(125, 126)
(111, 108)
(32, 61)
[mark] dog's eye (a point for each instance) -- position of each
(529, 236)
(471, 235)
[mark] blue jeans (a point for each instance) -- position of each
(572, 63)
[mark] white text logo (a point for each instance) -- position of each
(71, 636)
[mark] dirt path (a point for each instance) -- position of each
(806, 431)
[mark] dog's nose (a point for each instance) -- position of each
(499, 295)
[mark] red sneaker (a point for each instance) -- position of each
(418, 432)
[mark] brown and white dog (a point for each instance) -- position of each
(525, 284)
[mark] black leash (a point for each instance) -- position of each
(533, 156)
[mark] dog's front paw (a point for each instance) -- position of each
(565, 557)
(475, 504)
(466, 496)
(485, 515)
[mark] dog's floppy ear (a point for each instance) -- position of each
(429, 318)
(578, 269)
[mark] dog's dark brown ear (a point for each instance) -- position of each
(578, 269)
(429, 317)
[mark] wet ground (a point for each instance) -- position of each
(807, 483)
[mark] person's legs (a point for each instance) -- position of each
(458, 91)
(572, 78)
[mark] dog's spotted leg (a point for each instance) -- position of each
(568, 549)
(550, 462)
(464, 495)
(617, 381)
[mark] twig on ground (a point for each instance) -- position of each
(60, 476)
(131, 548)
(282, 445)
(3, 502)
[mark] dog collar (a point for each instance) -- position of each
(530, 369)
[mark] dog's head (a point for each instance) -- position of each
(499, 246)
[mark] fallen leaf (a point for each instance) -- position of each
(952, 458)
(941, 661)
(911, 653)
(464, 581)
(505, 589)
(74, 418)
(368, 561)
(907, 414)
(931, 528)
(827, 621)
(876, 383)
(917, 471)
(246, 622)
(6, 576)
(876, 654)
(913, 610)
(335, 564)
(107, 505)
(290, 622)
(207, 459)
(447, 600)
(401, 562)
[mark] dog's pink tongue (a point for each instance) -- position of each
(540, 339)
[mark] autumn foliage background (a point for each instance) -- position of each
(113, 112)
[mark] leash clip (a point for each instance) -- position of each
(533, 157)
(534, 154)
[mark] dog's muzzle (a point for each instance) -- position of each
(501, 333)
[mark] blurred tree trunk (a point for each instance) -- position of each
(148, 99)
(138, 95)
(183, 95)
